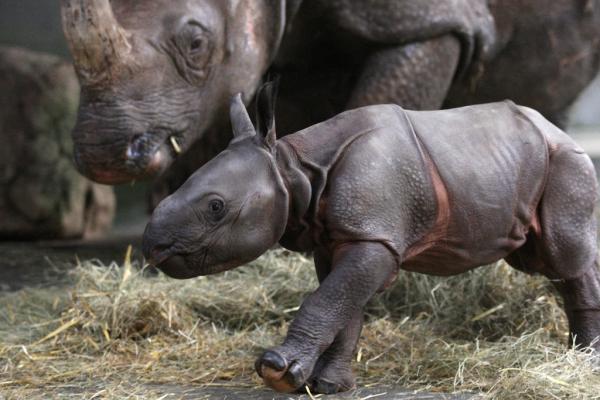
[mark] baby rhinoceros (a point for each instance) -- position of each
(380, 188)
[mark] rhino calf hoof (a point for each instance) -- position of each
(332, 376)
(324, 386)
(278, 373)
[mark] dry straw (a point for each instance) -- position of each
(118, 332)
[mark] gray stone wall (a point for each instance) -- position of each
(41, 193)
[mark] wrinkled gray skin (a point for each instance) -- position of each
(376, 189)
(172, 71)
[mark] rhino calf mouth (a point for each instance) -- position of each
(176, 267)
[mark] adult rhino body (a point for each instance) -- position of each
(157, 76)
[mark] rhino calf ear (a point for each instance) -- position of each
(240, 120)
(265, 112)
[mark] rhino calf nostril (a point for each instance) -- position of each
(160, 252)
(163, 247)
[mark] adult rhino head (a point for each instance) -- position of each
(157, 74)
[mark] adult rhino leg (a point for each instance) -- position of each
(359, 270)
(333, 371)
(568, 243)
(415, 76)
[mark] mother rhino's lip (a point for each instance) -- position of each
(156, 162)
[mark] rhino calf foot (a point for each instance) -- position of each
(333, 371)
(280, 373)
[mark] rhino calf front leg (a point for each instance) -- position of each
(333, 371)
(359, 270)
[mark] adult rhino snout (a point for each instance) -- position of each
(122, 161)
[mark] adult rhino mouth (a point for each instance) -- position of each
(144, 156)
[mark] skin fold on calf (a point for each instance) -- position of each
(377, 189)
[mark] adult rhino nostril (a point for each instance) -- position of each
(137, 149)
(144, 153)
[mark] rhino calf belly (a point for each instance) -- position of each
(493, 162)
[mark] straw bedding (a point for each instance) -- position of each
(119, 330)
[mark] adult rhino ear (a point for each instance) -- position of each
(240, 120)
(265, 112)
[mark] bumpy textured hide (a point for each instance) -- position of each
(405, 21)
(380, 188)
(41, 193)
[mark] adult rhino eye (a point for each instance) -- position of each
(191, 50)
(216, 206)
(197, 44)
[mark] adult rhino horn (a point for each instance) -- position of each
(97, 42)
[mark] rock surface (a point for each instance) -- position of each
(41, 193)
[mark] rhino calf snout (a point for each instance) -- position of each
(157, 254)
(156, 246)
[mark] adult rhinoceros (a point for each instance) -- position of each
(157, 75)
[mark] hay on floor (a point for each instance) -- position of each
(122, 329)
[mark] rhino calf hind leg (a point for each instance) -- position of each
(569, 241)
(582, 305)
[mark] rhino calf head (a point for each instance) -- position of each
(227, 213)
(155, 73)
